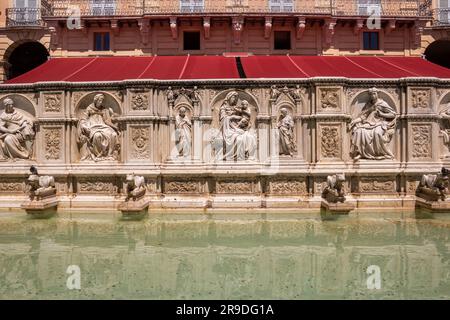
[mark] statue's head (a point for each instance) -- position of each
(98, 99)
(283, 112)
(232, 98)
(373, 94)
(243, 123)
(228, 110)
(244, 104)
(9, 105)
(340, 177)
(182, 111)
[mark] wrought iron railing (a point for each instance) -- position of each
(20, 17)
(441, 17)
(388, 8)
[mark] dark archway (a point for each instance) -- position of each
(25, 57)
(439, 52)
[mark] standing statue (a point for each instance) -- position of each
(373, 130)
(183, 136)
(16, 133)
(434, 186)
(286, 131)
(40, 186)
(239, 143)
(98, 136)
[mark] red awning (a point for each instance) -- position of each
(94, 69)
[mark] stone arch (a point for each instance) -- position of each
(23, 56)
(189, 109)
(110, 101)
(444, 102)
(243, 95)
(21, 102)
(361, 98)
(438, 52)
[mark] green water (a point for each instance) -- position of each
(223, 259)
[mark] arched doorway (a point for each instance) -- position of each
(25, 57)
(439, 52)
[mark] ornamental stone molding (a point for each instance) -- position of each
(272, 141)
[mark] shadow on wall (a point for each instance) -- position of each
(439, 52)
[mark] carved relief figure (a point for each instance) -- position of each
(97, 134)
(239, 143)
(135, 187)
(434, 187)
(183, 136)
(334, 191)
(373, 130)
(40, 186)
(286, 131)
(16, 133)
(445, 125)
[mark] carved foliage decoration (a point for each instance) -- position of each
(234, 187)
(140, 146)
(52, 143)
(376, 184)
(182, 187)
(52, 102)
(329, 98)
(330, 142)
(11, 186)
(287, 186)
(139, 101)
(96, 185)
(420, 98)
(421, 139)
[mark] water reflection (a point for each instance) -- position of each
(156, 259)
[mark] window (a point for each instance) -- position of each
(369, 7)
(282, 40)
(281, 5)
(191, 40)
(444, 11)
(26, 11)
(371, 41)
(101, 41)
(103, 7)
(191, 5)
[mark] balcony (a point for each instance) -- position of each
(23, 17)
(441, 17)
(337, 8)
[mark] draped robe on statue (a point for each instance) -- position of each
(96, 134)
(183, 135)
(16, 145)
(373, 131)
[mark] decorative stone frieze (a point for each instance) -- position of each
(182, 186)
(288, 186)
(53, 140)
(420, 98)
(421, 141)
(139, 101)
(140, 142)
(92, 185)
(376, 185)
(330, 141)
(236, 186)
(52, 102)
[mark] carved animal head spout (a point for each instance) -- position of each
(340, 178)
(130, 179)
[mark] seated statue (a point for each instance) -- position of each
(135, 187)
(334, 191)
(40, 186)
(434, 187)
(98, 136)
(16, 133)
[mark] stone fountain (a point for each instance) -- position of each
(135, 204)
(42, 193)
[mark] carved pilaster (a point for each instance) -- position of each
(268, 27)
(207, 26)
(301, 27)
(359, 25)
(174, 27)
(328, 30)
(238, 26)
(144, 28)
